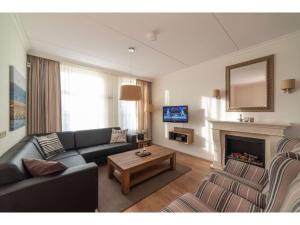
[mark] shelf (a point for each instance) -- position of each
(183, 135)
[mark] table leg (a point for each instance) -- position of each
(125, 182)
(173, 162)
(110, 169)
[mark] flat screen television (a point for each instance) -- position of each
(175, 114)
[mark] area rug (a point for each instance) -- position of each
(111, 198)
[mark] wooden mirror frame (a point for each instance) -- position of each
(270, 85)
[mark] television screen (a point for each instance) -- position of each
(175, 114)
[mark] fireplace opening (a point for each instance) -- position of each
(249, 150)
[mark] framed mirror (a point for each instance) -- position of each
(250, 86)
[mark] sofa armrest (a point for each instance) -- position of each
(131, 138)
(74, 190)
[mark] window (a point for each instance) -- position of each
(90, 100)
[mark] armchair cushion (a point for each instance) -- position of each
(223, 200)
(247, 171)
(240, 189)
(188, 203)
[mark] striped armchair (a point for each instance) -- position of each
(242, 187)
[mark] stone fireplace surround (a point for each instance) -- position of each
(270, 132)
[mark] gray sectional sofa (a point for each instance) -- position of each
(74, 190)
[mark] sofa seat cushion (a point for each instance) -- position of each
(64, 155)
(72, 161)
(188, 203)
(223, 200)
(240, 189)
(247, 171)
(92, 153)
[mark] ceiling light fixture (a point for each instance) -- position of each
(131, 49)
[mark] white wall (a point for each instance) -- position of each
(12, 52)
(193, 87)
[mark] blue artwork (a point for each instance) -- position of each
(17, 99)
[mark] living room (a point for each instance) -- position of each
(150, 111)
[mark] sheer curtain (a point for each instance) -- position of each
(128, 118)
(88, 98)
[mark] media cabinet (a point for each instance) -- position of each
(183, 135)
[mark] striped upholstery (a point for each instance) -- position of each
(188, 203)
(223, 200)
(292, 200)
(283, 170)
(239, 189)
(249, 172)
(50, 145)
(241, 180)
(288, 145)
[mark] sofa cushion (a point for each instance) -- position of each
(118, 136)
(67, 139)
(242, 190)
(88, 138)
(71, 161)
(188, 203)
(39, 167)
(11, 165)
(50, 144)
(223, 200)
(64, 155)
(92, 153)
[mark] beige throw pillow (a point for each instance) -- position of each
(118, 136)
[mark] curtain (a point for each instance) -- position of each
(127, 110)
(145, 108)
(43, 96)
(89, 98)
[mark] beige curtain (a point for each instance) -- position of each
(43, 96)
(145, 108)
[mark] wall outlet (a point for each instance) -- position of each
(2, 134)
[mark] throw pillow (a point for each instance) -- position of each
(39, 167)
(118, 136)
(50, 145)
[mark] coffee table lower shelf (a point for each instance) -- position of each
(145, 174)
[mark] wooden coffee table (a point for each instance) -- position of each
(131, 169)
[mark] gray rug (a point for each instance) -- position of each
(111, 198)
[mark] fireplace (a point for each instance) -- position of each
(245, 149)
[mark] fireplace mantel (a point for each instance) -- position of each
(270, 132)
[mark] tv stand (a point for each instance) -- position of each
(183, 135)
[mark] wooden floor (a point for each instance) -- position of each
(189, 182)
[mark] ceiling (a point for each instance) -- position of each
(184, 39)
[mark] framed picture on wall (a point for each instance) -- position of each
(17, 99)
